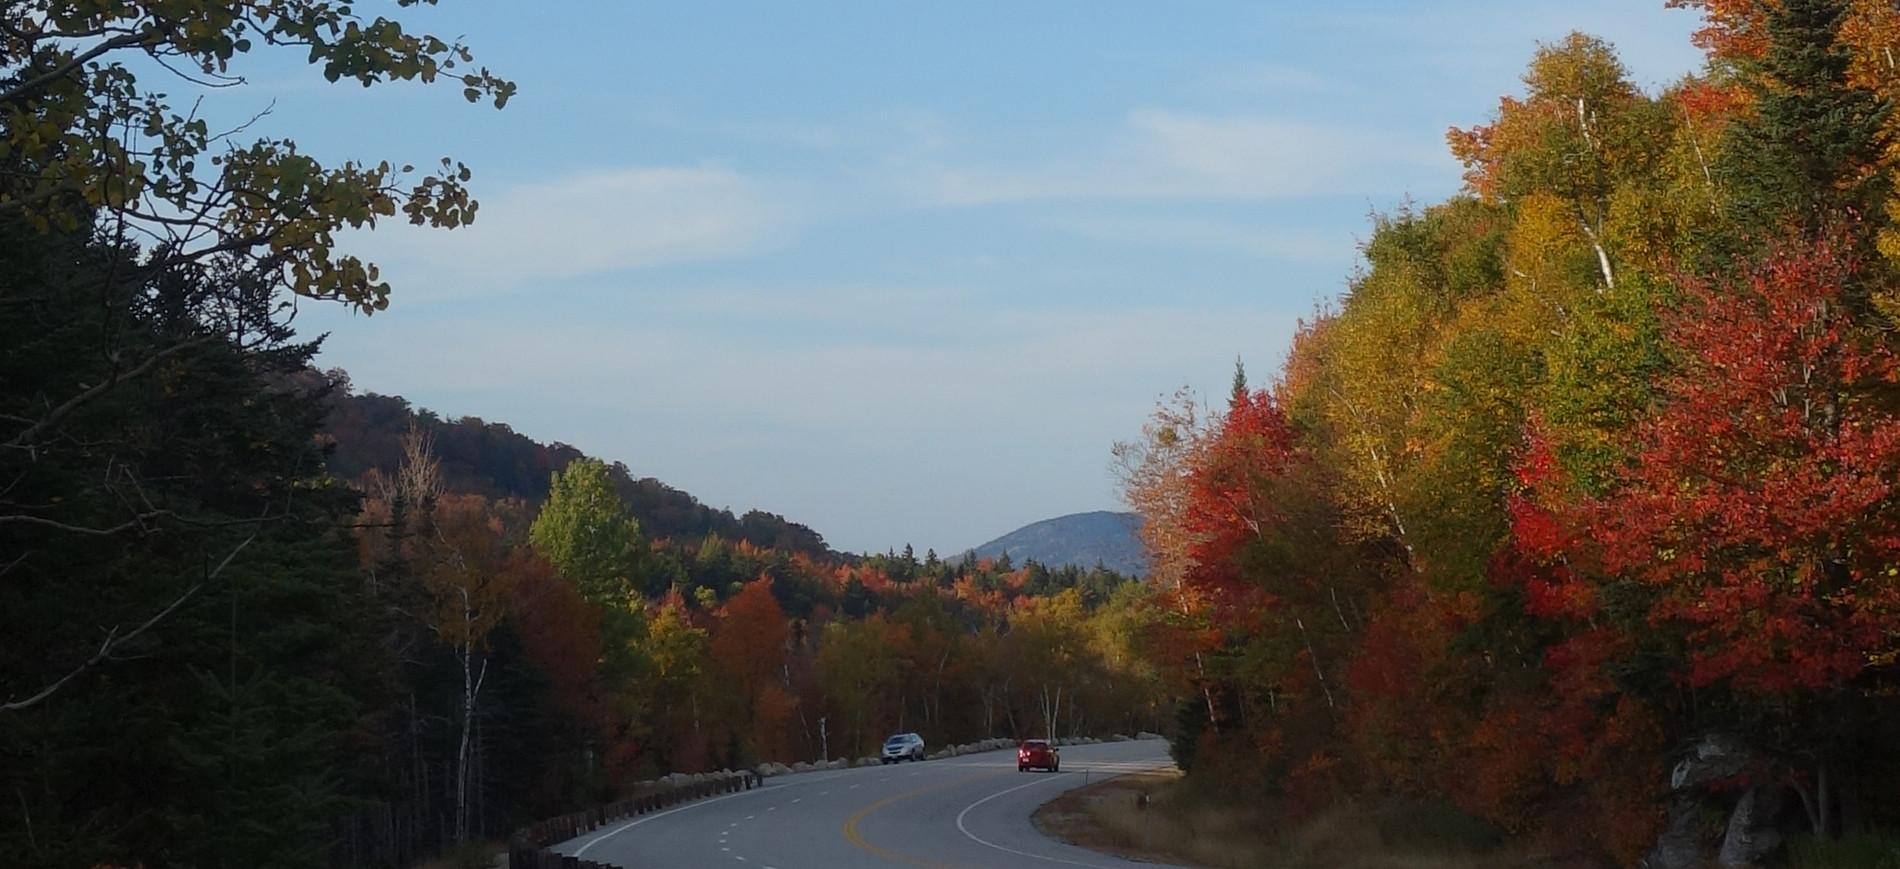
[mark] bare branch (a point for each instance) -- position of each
(114, 640)
(39, 429)
(137, 521)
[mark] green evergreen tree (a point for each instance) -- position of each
(1805, 158)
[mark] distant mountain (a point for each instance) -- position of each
(1080, 539)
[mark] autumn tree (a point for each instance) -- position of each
(1570, 146)
(1759, 511)
(668, 696)
(469, 584)
(1153, 474)
(860, 672)
(749, 650)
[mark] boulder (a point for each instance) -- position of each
(1751, 835)
(1680, 845)
(1716, 756)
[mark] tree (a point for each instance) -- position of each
(859, 670)
(1047, 647)
(1579, 134)
(1153, 474)
(748, 648)
(585, 532)
(86, 150)
(1765, 481)
(174, 600)
(470, 586)
(676, 652)
(85, 140)
(1813, 145)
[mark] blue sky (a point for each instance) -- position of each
(902, 273)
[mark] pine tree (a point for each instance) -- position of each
(1808, 155)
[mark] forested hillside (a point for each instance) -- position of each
(1578, 510)
(494, 461)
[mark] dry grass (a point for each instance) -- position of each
(1177, 825)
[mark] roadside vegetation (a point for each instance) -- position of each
(1580, 510)
(1164, 818)
(1569, 535)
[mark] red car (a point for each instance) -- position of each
(1038, 753)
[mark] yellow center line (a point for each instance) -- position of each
(852, 835)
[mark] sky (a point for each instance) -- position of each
(900, 272)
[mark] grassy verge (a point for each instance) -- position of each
(1157, 817)
(1879, 849)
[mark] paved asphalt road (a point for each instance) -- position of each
(969, 812)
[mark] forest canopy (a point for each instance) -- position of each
(1576, 513)
(1577, 510)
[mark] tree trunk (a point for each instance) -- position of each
(471, 689)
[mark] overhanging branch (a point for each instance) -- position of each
(114, 640)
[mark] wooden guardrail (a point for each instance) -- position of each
(528, 848)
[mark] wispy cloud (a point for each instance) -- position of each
(1163, 154)
(590, 223)
(1302, 244)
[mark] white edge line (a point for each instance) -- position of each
(635, 822)
(982, 841)
(657, 815)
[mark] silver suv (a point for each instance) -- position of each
(903, 746)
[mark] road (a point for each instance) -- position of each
(969, 812)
